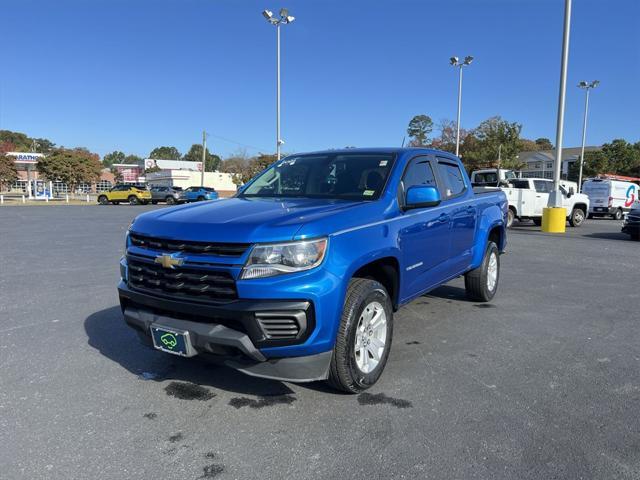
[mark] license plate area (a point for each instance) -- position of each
(171, 340)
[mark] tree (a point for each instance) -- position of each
(419, 129)
(165, 153)
(212, 161)
(544, 144)
(8, 172)
(23, 143)
(491, 138)
(114, 157)
(132, 160)
(244, 168)
(71, 166)
(618, 157)
(447, 139)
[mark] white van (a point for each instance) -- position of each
(610, 197)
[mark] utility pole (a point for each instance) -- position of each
(455, 62)
(204, 157)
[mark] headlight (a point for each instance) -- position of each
(275, 259)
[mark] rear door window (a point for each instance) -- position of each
(453, 179)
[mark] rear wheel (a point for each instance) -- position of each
(364, 337)
(201, 198)
(576, 219)
(133, 200)
(482, 283)
(511, 215)
(618, 215)
(170, 200)
(103, 200)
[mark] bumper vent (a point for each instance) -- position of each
(187, 283)
(219, 249)
(282, 325)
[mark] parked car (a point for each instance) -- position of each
(529, 196)
(133, 194)
(297, 278)
(631, 224)
(198, 194)
(610, 197)
(169, 195)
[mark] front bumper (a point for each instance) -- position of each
(631, 228)
(603, 210)
(231, 332)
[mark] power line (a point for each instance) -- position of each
(253, 147)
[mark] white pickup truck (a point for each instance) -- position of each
(528, 196)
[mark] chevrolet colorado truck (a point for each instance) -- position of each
(298, 276)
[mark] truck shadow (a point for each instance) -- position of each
(107, 333)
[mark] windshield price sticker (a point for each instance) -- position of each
(383, 163)
(368, 193)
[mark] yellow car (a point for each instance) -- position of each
(125, 193)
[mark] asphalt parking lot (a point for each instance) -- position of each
(544, 382)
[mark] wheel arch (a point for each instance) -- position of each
(385, 270)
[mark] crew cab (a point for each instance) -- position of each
(298, 276)
(529, 196)
(198, 194)
(133, 194)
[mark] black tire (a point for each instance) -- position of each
(154, 202)
(170, 200)
(201, 199)
(635, 236)
(537, 221)
(618, 215)
(576, 219)
(103, 200)
(476, 281)
(344, 373)
(511, 216)
(133, 200)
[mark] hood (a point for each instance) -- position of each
(242, 220)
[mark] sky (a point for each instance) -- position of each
(131, 75)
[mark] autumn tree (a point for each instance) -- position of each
(165, 153)
(8, 172)
(212, 161)
(71, 166)
(419, 129)
(492, 138)
(544, 144)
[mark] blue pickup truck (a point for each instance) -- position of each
(298, 276)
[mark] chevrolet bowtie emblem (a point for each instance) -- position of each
(169, 261)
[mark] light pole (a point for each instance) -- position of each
(456, 63)
(554, 216)
(587, 86)
(284, 19)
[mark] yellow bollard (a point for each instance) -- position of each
(554, 219)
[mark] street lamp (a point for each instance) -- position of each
(455, 62)
(284, 19)
(587, 86)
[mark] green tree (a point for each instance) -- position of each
(8, 172)
(544, 144)
(165, 153)
(492, 137)
(212, 161)
(419, 129)
(114, 157)
(133, 160)
(71, 166)
(23, 143)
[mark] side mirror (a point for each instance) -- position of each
(420, 196)
(571, 192)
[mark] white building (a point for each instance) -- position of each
(539, 164)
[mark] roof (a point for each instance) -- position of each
(570, 153)
(397, 150)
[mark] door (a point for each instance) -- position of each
(424, 232)
(463, 212)
(119, 192)
(542, 188)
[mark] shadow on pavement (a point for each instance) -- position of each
(108, 334)
(450, 293)
(609, 235)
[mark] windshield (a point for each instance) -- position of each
(350, 176)
(486, 178)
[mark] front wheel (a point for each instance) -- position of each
(133, 200)
(618, 215)
(103, 200)
(201, 198)
(576, 219)
(482, 283)
(170, 200)
(364, 337)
